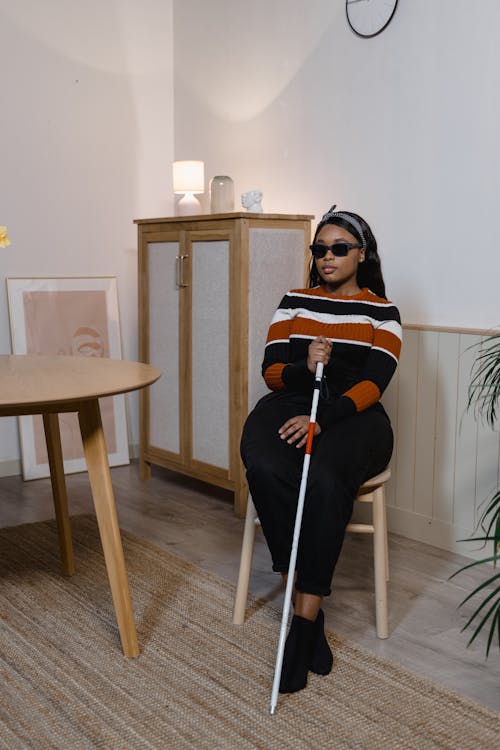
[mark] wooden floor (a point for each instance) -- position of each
(197, 523)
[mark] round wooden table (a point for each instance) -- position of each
(48, 385)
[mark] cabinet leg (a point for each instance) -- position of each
(240, 501)
(144, 469)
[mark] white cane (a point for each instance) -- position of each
(295, 542)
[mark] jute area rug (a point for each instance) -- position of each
(200, 682)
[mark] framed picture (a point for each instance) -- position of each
(76, 316)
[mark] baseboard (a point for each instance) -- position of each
(10, 468)
(437, 533)
(13, 467)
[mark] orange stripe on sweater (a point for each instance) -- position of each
(278, 331)
(350, 331)
(389, 341)
(362, 332)
(364, 394)
(273, 378)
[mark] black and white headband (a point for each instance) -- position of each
(332, 214)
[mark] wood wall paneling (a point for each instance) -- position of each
(446, 462)
(466, 428)
(445, 432)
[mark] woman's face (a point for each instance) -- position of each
(338, 274)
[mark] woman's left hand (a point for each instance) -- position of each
(295, 430)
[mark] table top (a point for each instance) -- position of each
(39, 380)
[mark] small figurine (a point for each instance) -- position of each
(252, 201)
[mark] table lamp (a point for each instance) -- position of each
(189, 178)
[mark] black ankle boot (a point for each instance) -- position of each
(322, 657)
(298, 653)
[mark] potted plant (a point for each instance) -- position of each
(484, 397)
(4, 239)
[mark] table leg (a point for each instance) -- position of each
(53, 440)
(104, 502)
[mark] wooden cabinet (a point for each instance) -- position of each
(208, 287)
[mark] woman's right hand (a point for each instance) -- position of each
(319, 351)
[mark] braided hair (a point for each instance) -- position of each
(369, 272)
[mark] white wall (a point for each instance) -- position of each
(86, 141)
(402, 128)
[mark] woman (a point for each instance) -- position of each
(345, 321)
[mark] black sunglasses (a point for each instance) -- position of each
(339, 249)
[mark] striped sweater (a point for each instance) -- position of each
(366, 334)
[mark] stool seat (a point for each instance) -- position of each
(374, 482)
(371, 491)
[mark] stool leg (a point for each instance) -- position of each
(245, 564)
(380, 563)
(386, 538)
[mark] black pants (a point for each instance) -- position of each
(343, 457)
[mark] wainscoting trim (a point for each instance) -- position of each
(446, 462)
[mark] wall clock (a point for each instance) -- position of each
(368, 18)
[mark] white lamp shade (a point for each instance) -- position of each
(189, 176)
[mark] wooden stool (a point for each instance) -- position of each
(372, 491)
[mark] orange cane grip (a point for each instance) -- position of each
(312, 420)
(310, 436)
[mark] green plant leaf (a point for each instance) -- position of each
(493, 607)
(472, 565)
(478, 539)
(484, 388)
(480, 588)
(485, 601)
(484, 398)
(496, 619)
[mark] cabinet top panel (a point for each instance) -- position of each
(255, 217)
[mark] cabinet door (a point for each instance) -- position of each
(277, 259)
(210, 254)
(164, 345)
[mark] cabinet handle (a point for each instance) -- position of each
(179, 270)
